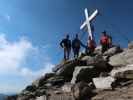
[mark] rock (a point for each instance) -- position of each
(123, 72)
(57, 92)
(112, 51)
(32, 99)
(48, 85)
(122, 59)
(41, 98)
(25, 92)
(84, 73)
(98, 50)
(117, 60)
(104, 74)
(56, 80)
(62, 64)
(97, 61)
(41, 80)
(40, 92)
(81, 91)
(66, 70)
(103, 82)
(57, 67)
(122, 93)
(130, 45)
(85, 58)
(30, 88)
(61, 97)
(82, 54)
(67, 88)
(25, 97)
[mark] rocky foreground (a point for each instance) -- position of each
(107, 76)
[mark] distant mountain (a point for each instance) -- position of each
(2, 97)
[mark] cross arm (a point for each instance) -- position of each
(93, 15)
(83, 25)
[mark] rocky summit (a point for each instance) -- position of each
(107, 76)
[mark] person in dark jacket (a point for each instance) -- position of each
(76, 44)
(110, 45)
(66, 45)
(104, 41)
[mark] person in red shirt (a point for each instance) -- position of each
(104, 41)
(91, 45)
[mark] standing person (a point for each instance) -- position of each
(91, 45)
(109, 41)
(66, 45)
(76, 46)
(104, 41)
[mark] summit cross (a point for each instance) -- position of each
(87, 23)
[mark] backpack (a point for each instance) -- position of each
(76, 43)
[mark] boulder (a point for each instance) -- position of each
(122, 59)
(84, 73)
(81, 91)
(27, 94)
(98, 50)
(40, 92)
(85, 58)
(97, 61)
(103, 82)
(56, 80)
(62, 64)
(41, 98)
(48, 85)
(117, 60)
(57, 67)
(41, 80)
(58, 92)
(112, 51)
(67, 88)
(30, 88)
(130, 45)
(24, 97)
(67, 69)
(61, 97)
(32, 99)
(123, 72)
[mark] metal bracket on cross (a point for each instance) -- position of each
(87, 23)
